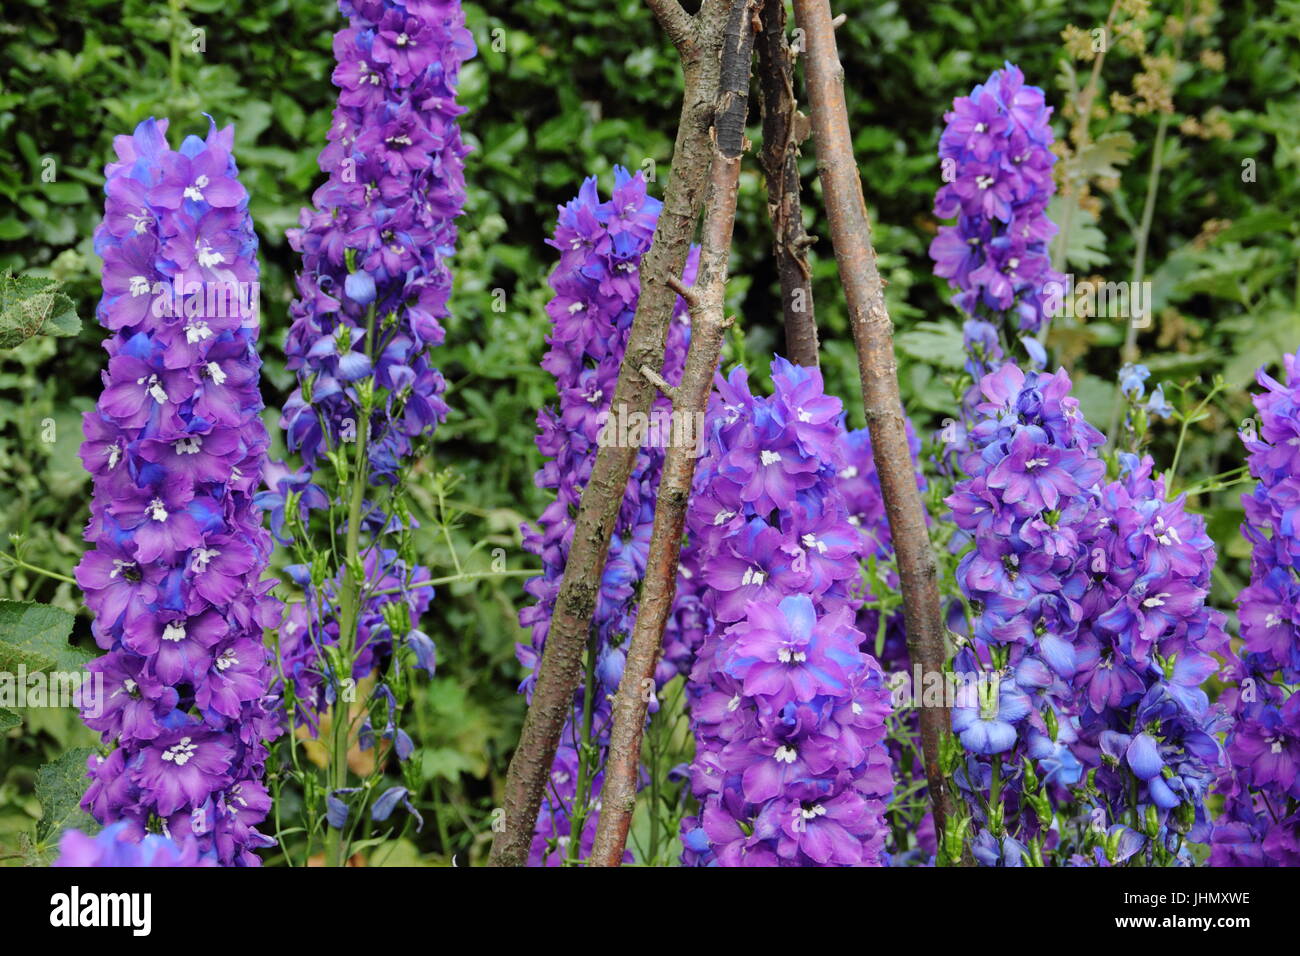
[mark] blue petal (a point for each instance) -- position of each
(1144, 756)
(360, 287)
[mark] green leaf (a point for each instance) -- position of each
(8, 719)
(66, 193)
(59, 788)
(1102, 158)
(33, 305)
(1085, 244)
(939, 343)
(36, 635)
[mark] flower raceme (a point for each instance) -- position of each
(997, 160)
(372, 293)
(176, 447)
(596, 285)
(788, 711)
(375, 281)
(1088, 603)
(1260, 825)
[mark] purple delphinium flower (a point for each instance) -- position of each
(1260, 825)
(596, 285)
(997, 160)
(175, 448)
(372, 293)
(1089, 617)
(118, 845)
(788, 711)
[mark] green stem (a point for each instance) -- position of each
(18, 562)
(578, 818)
(349, 614)
(454, 578)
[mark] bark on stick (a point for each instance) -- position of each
(699, 41)
(690, 401)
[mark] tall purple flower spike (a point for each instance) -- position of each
(372, 295)
(596, 285)
(1089, 619)
(996, 161)
(788, 711)
(176, 448)
(1260, 825)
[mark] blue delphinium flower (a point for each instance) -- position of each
(373, 292)
(1260, 825)
(1088, 601)
(996, 157)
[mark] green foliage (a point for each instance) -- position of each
(59, 787)
(31, 305)
(35, 636)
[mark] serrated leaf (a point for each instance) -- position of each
(59, 788)
(8, 719)
(1085, 244)
(1101, 158)
(36, 636)
(33, 305)
(938, 343)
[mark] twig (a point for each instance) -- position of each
(659, 382)
(699, 42)
(873, 334)
(676, 22)
(708, 327)
(784, 129)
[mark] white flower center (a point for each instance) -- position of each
(181, 752)
(207, 256)
(200, 559)
(154, 388)
(195, 190)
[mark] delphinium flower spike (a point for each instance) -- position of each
(596, 285)
(996, 157)
(788, 711)
(1089, 642)
(372, 294)
(176, 448)
(1260, 825)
